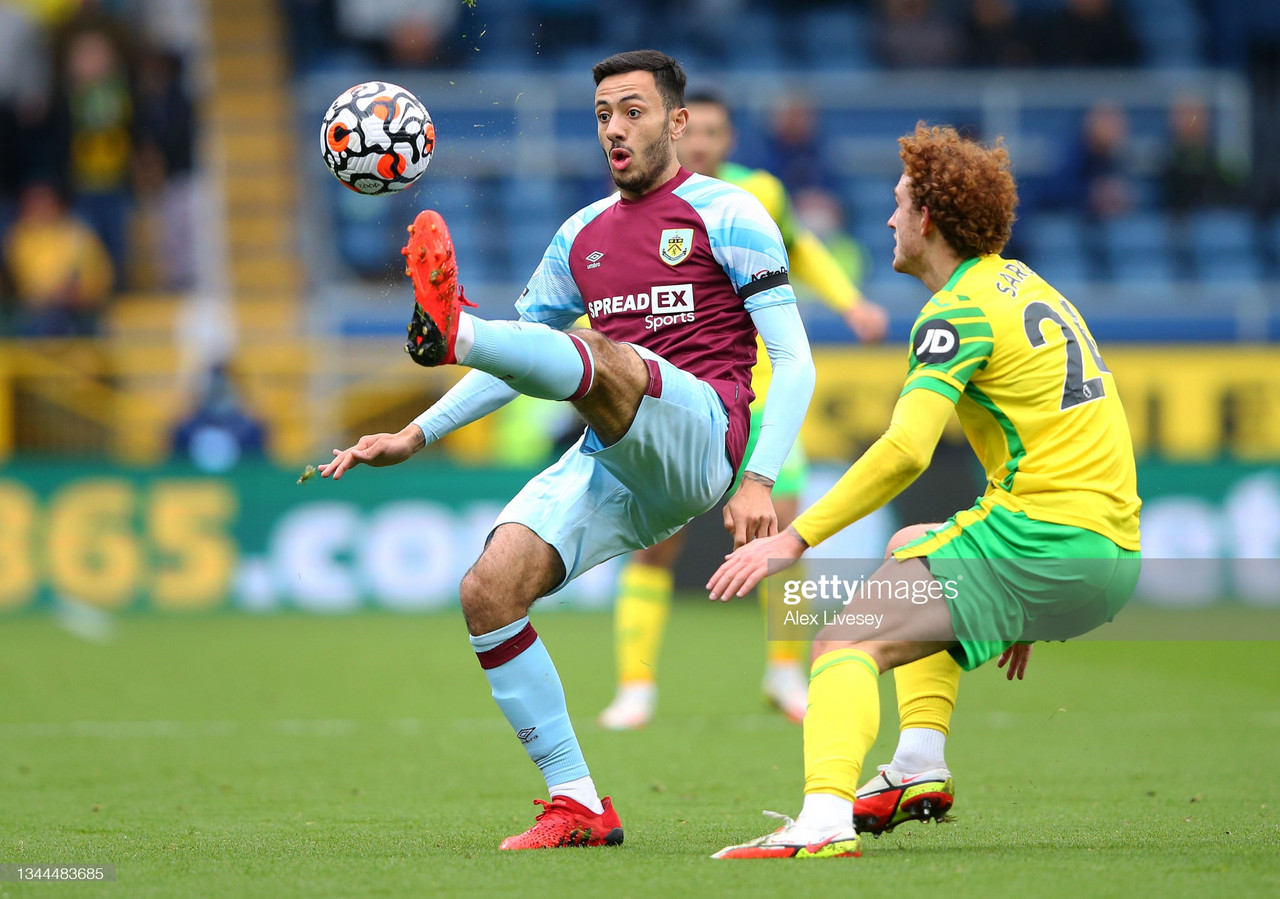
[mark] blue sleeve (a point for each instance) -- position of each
(552, 296)
(472, 398)
(744, 240)
(790, 389)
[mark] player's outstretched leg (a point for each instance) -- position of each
(532, 358)
(639, 621)
(513, 571)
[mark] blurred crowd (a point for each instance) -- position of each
(97, 105)
(898, 33)
(97, 164)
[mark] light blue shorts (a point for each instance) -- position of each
(598, 501)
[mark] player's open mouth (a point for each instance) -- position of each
(619, 158)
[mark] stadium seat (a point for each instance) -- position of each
(871, 199)
(835, 39)
(1054, 246)
(1269, 234)
(1222, 245)
(450, 196)
(1137, 234)
(526, 242)
(1169, 31)
(752, 41)
(1049, 234)
(533, 200)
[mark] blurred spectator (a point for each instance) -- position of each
(1099, 179)
(219, 432)
(1088, 33)
(995, 37)
(821, 213)
(1192, 174)
(793, 152)
(164, 161)
(24, 102)
(914, 34)
(401, 33)
(60, 270)
(98, 112)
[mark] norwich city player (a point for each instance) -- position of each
(645, 585)
(1050, 551)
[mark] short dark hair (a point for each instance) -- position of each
(667, 73)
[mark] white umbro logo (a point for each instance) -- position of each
(593, 261)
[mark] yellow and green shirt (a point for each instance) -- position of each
(1033, 395)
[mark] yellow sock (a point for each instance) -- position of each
(927, 691)
(843, 718)
(780, 652)
(639, 619)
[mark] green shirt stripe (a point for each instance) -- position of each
(1012, 440)
(959, 273)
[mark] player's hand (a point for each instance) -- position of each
(868, 320)
(1016, 657)
(376, 450)
(745, 567)
(749, 512)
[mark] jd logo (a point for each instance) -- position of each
(936, 341)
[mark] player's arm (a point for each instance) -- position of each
(790, 388)
(750, 513)
(886, 469)
(746, 241)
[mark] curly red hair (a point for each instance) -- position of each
(967, 187)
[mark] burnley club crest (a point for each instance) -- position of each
(675, 245)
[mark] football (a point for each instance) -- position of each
(377, 138)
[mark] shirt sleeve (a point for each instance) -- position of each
(951, 341)
(790, 389)
(472, 398)
(552, 296)
(749, 247)
(884, 470)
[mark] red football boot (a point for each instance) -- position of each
(432, 267)
(564, 822)
(892, 797)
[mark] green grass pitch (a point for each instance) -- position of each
(309, 756)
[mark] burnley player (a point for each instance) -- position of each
(1050, 551)
(677, 273)
(646, 584)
